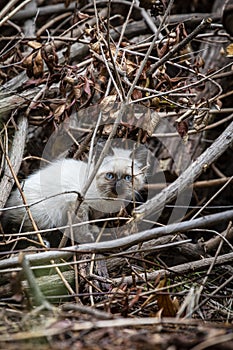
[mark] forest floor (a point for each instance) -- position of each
(158, 275)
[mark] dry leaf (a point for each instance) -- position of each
(27, 63)
(34, 44)
(50, 57)
(229, 50)
(128, 66)
(87, 86)
(182, 128)
(137, 94)
(165, 164)
(38, 65)
(59, 111)
(148, 121)
(107, 129)
(218, 104)
(77, 92)
(107, 103)
(82, 15)
(34, 64)
(165, 302)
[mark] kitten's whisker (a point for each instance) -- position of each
(138, 196)
(40, 200)
(115, 199)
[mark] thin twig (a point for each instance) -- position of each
(212, 198)
(124, 242)
(199, 291)
(193, 131)
(13, 12)
(15, 159)
(143, 63)
(39, 298)
(186, 179)
(204, 24)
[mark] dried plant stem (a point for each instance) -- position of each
(225, 283)
(187, 178)
(204, 24)
(212, 198)
(187, 86)
(197, 184)
(182, 269)
(13, 12)
(125, 322)
(142, 66)
(39, 298)
(14, 176)
(113, 245)
(202, 285)
(15, 160)
(193, 131)
(7, 7)
(13, 166)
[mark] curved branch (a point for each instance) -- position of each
(124, 242)
(15, 159)
(186, 179)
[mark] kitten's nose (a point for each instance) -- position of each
(119, 187)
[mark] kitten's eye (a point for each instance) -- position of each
(128, 178)
(109, 176)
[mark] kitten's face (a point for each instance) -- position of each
(119, 176)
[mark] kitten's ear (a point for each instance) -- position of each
(99, 148)
(140, 154)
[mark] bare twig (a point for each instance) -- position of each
(13, 12)
(197, 184)
(225, 283)
(199, 291)
(189, 175)
(212, 198)
(39, 298)
(142, 66)
(204, 24)
(181, 269)
(124, 242)
(15, 160)
(193, 131)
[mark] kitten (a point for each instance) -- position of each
(118, 179)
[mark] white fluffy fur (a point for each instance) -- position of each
(64, 176)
